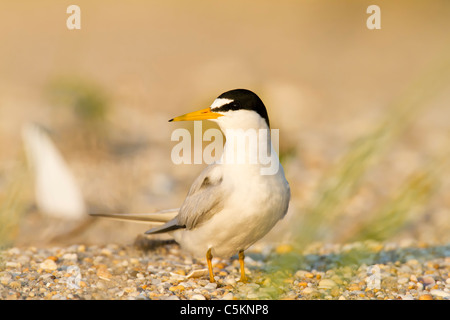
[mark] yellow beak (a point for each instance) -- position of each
(198, 115)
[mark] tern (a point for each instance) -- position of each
(232, 203)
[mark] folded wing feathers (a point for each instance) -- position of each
(160, 216)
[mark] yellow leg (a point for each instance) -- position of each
(241, 261)
(208, 259)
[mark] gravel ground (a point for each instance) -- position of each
(161, 270)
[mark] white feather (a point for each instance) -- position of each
(57, 193)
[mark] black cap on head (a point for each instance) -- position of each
(243, 100)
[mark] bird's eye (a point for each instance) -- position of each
(235, 106)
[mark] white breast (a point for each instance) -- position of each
(256, 204)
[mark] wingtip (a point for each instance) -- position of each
(169, 226)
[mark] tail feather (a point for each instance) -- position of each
(160, 216)
(172, 225)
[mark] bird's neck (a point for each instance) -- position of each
(250, 148)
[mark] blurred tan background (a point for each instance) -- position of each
(104, 93)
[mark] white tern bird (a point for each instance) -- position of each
(233, 202)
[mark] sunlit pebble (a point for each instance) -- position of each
(427, 281)
(440, 293)
(48, 264)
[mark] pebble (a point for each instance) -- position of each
(308, 290)
(230, 281)
(211, 286)
(300, 274)
(403, 280)
(327, 284)
(252, 295)
(228, 296)
(177, 288)
(427, 281)
(5, 279)
(167, 273)
(104, 274)
(49, 265)
(198, 273)
(70, 256)
(440, 293)
(13, 265)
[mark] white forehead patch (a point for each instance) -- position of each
(220, 102)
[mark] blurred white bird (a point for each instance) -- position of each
(56, 191)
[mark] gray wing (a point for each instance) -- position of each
(205, 198)
(155, 217)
